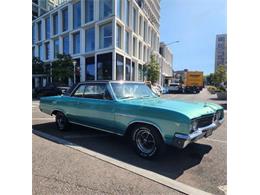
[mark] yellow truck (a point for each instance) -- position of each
(193, 81)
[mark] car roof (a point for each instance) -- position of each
(109, 81)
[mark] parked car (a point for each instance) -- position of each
(164, 90)
(63, 89)
(132, 109)
(49, 90)
(174, 88)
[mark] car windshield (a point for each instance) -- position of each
(132, 90)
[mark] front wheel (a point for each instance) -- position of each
(61, 121)
(147, 141)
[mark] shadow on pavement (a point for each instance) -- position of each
(172, 164)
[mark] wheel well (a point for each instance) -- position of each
(131, 126)
(54, 112)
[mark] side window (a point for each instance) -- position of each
(80, 91)
(97, 91)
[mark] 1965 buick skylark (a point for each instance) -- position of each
(132, 109)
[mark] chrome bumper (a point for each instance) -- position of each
(182, 140)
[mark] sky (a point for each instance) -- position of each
(195, 24)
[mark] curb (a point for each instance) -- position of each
(173, 184)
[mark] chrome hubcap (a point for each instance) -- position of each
(145, 141)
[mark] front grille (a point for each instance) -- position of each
(205, 120)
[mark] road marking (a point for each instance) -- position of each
(216, 140)
(43, 118)
(176, 185)
(83, 136)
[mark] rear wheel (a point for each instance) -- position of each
(62, 121)
(147, 141)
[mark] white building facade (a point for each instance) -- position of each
(109, 39)
(166, 60)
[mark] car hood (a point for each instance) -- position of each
(189, 108)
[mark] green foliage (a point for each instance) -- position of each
(37, 66)
(220, 75)
(62, 69)
(212, 89)
(210, 79)
(153, 70)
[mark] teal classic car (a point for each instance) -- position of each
(132, 109)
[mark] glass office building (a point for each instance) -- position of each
(110, 39)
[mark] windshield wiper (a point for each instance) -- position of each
(145, 96)
(127, 97)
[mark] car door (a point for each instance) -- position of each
(71, 103)
(96, 108)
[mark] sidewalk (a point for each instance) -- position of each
(58, 169)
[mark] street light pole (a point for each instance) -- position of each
(74, 72)
(172, 43)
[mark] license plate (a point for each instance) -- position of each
(209, 133)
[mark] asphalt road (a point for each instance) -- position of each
(58, 169)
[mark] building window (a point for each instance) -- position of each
(40, 52)
(133, 71)
(134, 19)
(55, 23)
(33, 51)
(90, 68)
(105, 8)
(76, 15)
(145, 31)
(104, 66)
(134, 46)
(56, 47)
(140, 50)
(144, 54)
(119, 67)
(47, 28)
(140, 72)
(105, 36)
(33, 33)
(76, 43)
(65, 24)
(39, 25)
(89, 12)
(47, 51)
(127, 42)
(127, 69)
(140, 25)
(127, 7)
(119, 9)
(90, 39)
(66, 44)
(118, 36)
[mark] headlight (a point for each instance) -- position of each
(194, 125)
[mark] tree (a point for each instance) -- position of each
(62, 69)
(210, 79)
(220, 75)
(153, 70)
(37, 66)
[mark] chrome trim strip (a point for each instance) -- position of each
(126, 115)
(96, 128)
